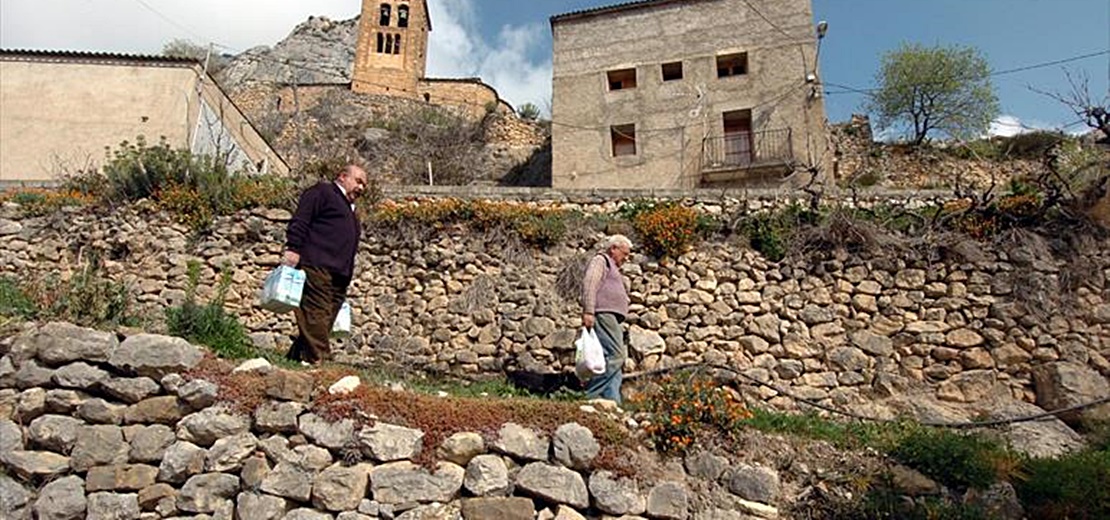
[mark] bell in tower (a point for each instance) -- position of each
(392, 47)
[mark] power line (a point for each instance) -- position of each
(170, 21)
(846, 89)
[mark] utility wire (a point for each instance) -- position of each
(856, 90)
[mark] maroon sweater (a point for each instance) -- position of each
(325, 230)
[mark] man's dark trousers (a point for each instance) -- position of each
(320, 302)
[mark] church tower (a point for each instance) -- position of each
(392, 47)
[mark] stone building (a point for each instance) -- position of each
(60, 110)
(686, 94)
(392, 55)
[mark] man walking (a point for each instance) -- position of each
(604, 308)
(322, 239)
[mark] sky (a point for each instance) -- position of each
(508, 42)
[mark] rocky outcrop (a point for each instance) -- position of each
(318, 51)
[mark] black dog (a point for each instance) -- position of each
(544, 384)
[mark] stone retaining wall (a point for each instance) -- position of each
(92, 427)
(838, 330)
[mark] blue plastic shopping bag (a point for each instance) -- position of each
(282, 290)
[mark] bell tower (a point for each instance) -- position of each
(392, 47)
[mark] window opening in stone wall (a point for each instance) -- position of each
(387, 10)
(381, 43)
(389, 44)
(672, 71)
(738, 137)
(622, 79)
(396, 44)
(732, 65)
(403, 16)
(624, 140)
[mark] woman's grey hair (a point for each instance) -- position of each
(617, 240)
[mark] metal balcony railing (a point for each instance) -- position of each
(747, 149)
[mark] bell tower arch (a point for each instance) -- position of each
(392, 51)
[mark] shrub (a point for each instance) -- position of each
(37, 202)
(683, 407)
(209, 324)
(85, 298)
(1067, 487)
(14, 301)
(953, 459)
(667, 230)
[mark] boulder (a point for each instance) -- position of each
(289, 480)
(149, 443)
(130, 390)
(61, 343)
(255, 506)
(754, 483)
(62, 499)
(402, 482)
(209, 424)
(616, 496)
(166, 409)
(79, 375)
(113, 506)
(120, 477)
(278, 416)
(574, 446)
(205, 493)
(554, 484)
(153, 355)
(14, 499)
(99, 446)
(332, 435)
(340, 488)
(228, 453)
(487, 475)
(52, 432)
(513, 508)
(1065, 384)
(181, 461)
(387, 443)
(35, 464)
(521, 443)
(668, 501)
(461, 447)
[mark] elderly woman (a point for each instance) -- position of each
(604, 307)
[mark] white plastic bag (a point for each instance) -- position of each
(342, 325)
(282, 290)
(589, 358)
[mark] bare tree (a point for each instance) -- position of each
(1095, 114)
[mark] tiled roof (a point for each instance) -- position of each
(61, 55)
(607, 9)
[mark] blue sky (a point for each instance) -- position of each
(508, 42)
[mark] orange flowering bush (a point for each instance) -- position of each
(186, 204)
(683, 407)
(667, 229)
(538, 226)
(41, 201)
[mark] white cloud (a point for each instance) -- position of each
(456, 49)
(1006, 126)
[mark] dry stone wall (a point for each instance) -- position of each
(839, 330)
(98, 428)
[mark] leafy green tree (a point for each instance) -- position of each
(529, 111)
(934, 90)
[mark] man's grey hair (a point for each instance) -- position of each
(617, 240)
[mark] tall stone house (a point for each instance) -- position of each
(679, 94)
(60, 110)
